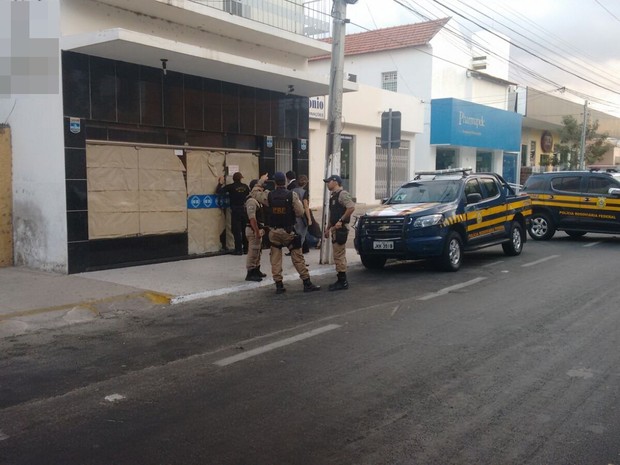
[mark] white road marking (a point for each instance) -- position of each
(446, 290)
(592, 244)
(492, 264)
(395, 310)
(3, 437)
(275, 345)
(114, 397)
(550, 257)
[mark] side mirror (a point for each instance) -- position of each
(384, 200)
(473, 198)
(615, 191)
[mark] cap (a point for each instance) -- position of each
(279, 178)
(334, 177)
(237, 176)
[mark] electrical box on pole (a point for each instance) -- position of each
(390, 129)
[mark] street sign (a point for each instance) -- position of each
(390, 129)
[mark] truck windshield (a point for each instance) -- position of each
(429, 191)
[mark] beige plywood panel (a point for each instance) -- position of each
(108, 225)
(163, 201)
(111, 156)
(113, 201)
(205, 225)
(162, 222)
(203, 170)
(165, 159)
(112, 179)
(6, 198)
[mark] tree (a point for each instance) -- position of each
(570, 142)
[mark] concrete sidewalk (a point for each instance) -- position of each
(30, 299)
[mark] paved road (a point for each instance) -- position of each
(510, 360)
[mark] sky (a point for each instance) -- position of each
(571, 44)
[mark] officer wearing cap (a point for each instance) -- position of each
(284, 208)
(237, 192)
(341, 207)
(255, 229)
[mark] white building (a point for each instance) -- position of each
(427, 63)
(123, 113)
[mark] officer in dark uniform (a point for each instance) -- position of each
(238, 193)
(284, 208)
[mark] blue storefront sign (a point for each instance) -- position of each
(467, 124)
(207, 201)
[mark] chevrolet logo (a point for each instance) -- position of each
(385, 227)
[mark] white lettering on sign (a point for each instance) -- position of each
(470, 120)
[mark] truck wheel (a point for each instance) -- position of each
(452, 255)
(372, 262)
(515, 245)
(541, 227)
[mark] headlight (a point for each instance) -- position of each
(426, 221)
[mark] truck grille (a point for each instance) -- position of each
(383, 227)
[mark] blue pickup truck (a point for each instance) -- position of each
(441, 214)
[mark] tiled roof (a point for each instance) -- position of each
(391, 38)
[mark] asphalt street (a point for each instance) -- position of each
(509, 360)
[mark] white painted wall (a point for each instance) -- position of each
(87, 16)
(361, 114)
(39, 205)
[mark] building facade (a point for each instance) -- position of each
(153, 101)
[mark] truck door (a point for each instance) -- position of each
(485, 218)
(600, 210)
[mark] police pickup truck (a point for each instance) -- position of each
(441, 214)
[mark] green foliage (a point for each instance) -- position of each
(570, 143)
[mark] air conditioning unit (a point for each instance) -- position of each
(237, 8)
(479, 62)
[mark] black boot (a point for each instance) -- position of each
(260, 273)
(309, 287)
(253, 275)
(280, 287)
(341, 284)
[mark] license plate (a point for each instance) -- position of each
(383, 245)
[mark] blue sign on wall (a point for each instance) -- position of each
(461, 123)
(207, 201)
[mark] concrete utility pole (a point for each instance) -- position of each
(582, 148)
(334, 122)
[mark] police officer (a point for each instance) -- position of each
(237, 192)
(285, 207)
(255, 229)
(341, 207)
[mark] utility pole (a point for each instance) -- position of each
(582, 148)
(334, 122)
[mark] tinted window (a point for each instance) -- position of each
(490, 186)
(600, 185)
(566, 183)
(534, 183)
(472, 187)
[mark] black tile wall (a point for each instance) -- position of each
(77, 225)
(75, 163)
(119, 101)
(77, 194)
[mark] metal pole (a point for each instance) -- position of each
(334, 123)
(582, 148)
(389, 155)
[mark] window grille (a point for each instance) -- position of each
(400, 168)
(389, 81)
(284, 155)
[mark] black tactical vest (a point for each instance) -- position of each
(281, 212)
(336, 209)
